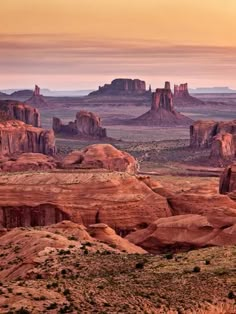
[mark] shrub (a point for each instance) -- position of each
(231, 295)
(196, 269)
(139, 265)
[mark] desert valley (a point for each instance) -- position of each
(116, 202)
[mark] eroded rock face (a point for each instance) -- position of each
(87, 124)
(117, 199)
(162, 111)
(122, 86)
(185, 232)
(182, 96)
(18, 137)
(103, 156)
(37, 99)
(223, 147)
(28, 162)
(11, 110)
(203, 132)
(228, 180)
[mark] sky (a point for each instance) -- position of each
(81, 44)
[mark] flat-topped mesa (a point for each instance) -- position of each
(122, 86)
(15, 110)
(87, 124)
(162, 98)
(162, 112)
(18, 137)
(37, 99)
(182, 96)
(181, 90)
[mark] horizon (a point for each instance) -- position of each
(83, 44)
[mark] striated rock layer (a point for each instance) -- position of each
(228, 180)
(162, 111)
(87, 124)
(18, 137)
(100, 156)
(117, 199)
(15, 110)
(122, 87)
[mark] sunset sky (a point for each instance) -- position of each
(80, 44)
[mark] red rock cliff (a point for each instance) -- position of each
(18, 137)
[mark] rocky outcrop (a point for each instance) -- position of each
(122, 87)
(183, 98)
(162, 111)
(37, 99)
(223, 147)
(87, 124)
(101, 156)
(228, 180)
(119, 200)
(104, 233)
(15, 110)
(28, 162)
(18, 137)
(186, 232)
(203, 132)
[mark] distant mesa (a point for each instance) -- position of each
(24, 93)
(123, 86)
(86, 124)
(162, 111)
(37, 99)
(182, 96)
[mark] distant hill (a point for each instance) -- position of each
(46, 92)
(212, 90)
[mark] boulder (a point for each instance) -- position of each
(18, 137)
(122, 87)
(87, 124)
(162, 111)
(117, 199)
(101, 156)
(15, 110)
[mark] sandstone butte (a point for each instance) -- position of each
(162, 112)
(120, 200)
(15, 110)
(101, 156)
(183, 98)
(122, 86)
(86, 124)
(37, 99)
(219, 136)
(228, 180)
(18, 137)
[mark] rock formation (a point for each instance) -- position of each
(37, 99)
(122, 87)
(119, 200)
(99, 156)
(182, 96)
(203, 132)
(28, 162)
(223, 147)
(228, 180)
(87, 124)
(162, 111)
(18, 137)
(186, 232)
(11, 110)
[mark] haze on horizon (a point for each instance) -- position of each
(80, 44)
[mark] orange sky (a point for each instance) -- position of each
(76, 44)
